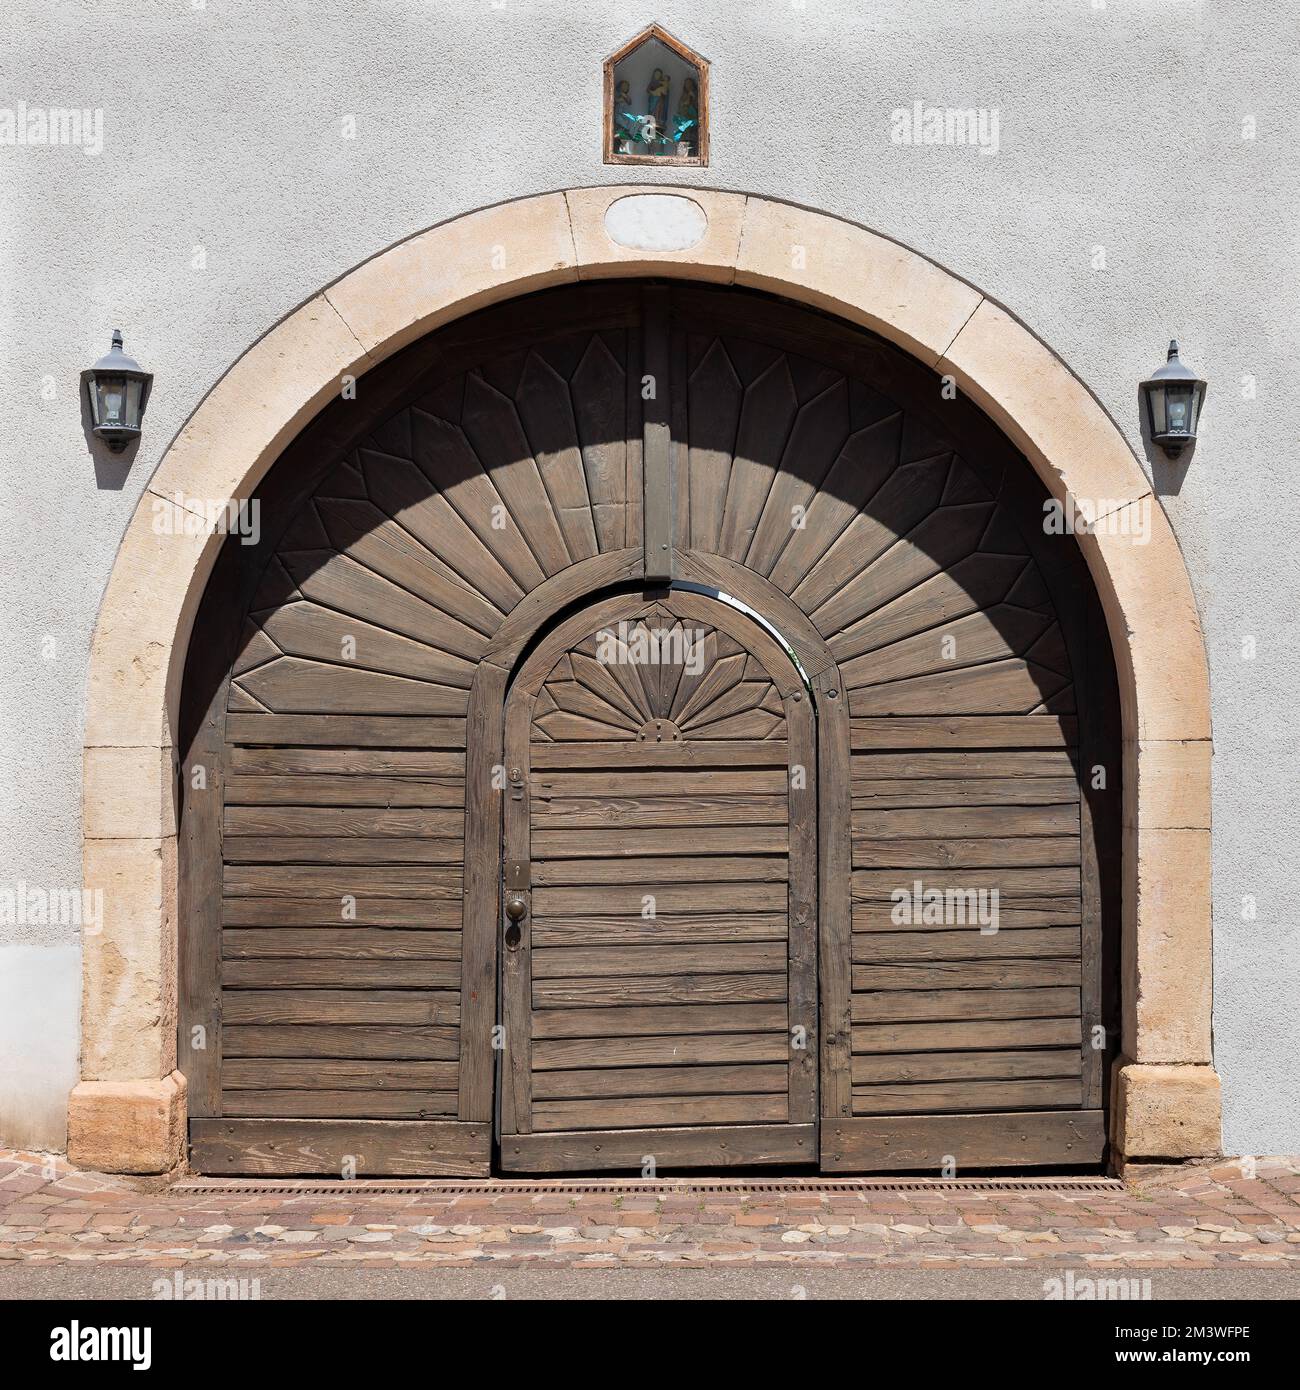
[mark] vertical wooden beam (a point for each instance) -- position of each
(802, 990)
(835, 896)
(481, 914)
(658, 462)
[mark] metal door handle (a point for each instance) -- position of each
(516, 907)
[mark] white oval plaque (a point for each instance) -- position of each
(655, 222)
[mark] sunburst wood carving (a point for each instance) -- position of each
(657, 679)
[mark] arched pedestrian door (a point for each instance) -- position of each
(659, 973)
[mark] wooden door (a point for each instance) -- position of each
(659, 904)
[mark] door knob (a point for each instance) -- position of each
(516, 907)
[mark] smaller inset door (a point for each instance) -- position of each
(659, 970)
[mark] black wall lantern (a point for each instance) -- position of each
(119, 392)
(1173, 396)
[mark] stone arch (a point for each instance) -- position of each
(128, 1111)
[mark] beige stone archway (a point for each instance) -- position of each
(128, 1112)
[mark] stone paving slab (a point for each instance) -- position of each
(1244, 1213)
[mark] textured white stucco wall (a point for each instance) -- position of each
(1121, 128)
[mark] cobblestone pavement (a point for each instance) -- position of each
(1184, 1218)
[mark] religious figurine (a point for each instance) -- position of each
(657, 91)
(622, 101)
(688, 113)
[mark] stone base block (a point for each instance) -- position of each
(127, 1126)
(1166, 1111)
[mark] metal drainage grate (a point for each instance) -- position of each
(616, 1187)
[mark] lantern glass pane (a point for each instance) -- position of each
(1156, 402)
(1179, 409)
(132, 416)
(112, 399)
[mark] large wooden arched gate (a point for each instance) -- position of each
(463, 875)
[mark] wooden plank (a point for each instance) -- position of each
(714, 874)
(332, 790)
(345, 731)
(898, 1068)
(711, 1147)
(344, 849)
(801, 964)
(337, 1006)
(1010, 686)
(609, 992)
(719, 753)
(284, 973)
(688, 783)
(677, 1049)
(648, 902)
(930, 1098)
(611, 1082)
(884, 767)
(968, 731)
(699, 839)
(333, 1074)
(482, 893)
(968, 974)
(658, 450)
(662, 930)
(333, 1148)
(950, 1036)
(689, 1019)
(902, 794)
(918, 1006)
(627, 1113)
(654, 812)
(1038, 851)
(1014, 914)
(925, 1143)
(350, 1042)
(961, 822)
(259, 761)
(871, 885)
(417, 913)
(339, 943)
(298, 881)
(621, 959)
(345, 822)
(967, 945)
(516, 988)
(329, 1105)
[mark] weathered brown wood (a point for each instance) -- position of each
(664, 897)
(901, 794)
(344, 731)
(683, 787)
(342, 1006)
(926, 1143)
(339, 943)
(612, 1082)
(624, 959)
(970, 731)
(345, 849)
(678, 929)
(332, 1148)
(385, 792)
(641, 813)
(1013, 914)
(516, 948)
(953, 1036)
(967, 945)
(262, 761)
(877, 766)
(364, 910)
(900, 1068)
(709, 1147)
(601, 992)
(954, 853)
(929, 1098)
(686, 840)
(354, 1042)
(966, 821)
(870, 885)
(708, 753)
(967, 974)
(714, 873)
(330, 1105)
(689, 1019)
(318, 1074)
(306, 880)
(801, 990)
(677, 1050)
(915, 1006)
(286, 974)
(658, 462)
(628, 1112)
